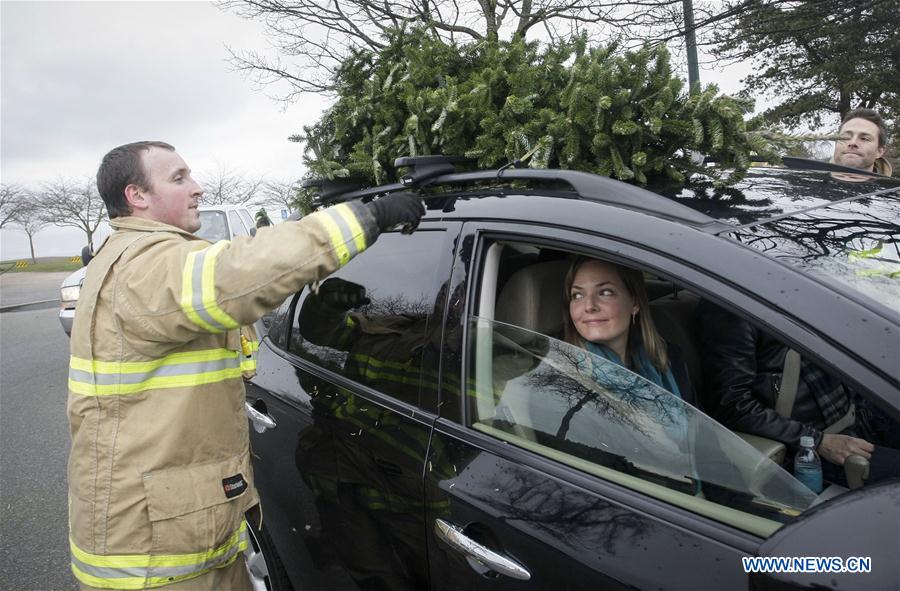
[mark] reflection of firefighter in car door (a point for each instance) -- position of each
(372, 496)
(159, 472)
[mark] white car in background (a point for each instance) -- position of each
(217, 222)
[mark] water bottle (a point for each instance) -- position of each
(807, 466)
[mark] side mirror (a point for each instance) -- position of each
(86, 255)
(253, 231)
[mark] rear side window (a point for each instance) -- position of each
(237, 226)
(373, 321)
(245, 215)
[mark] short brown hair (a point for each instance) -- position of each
(872, 116)
(122, 166)
(634, 283)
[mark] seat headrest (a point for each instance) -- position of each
(533, 297)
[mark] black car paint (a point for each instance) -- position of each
(570, 530)
(856, 517)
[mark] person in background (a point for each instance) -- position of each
(862, 138)
(262, 218)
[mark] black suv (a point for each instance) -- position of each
(418, 423)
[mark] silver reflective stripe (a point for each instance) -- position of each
(197, 285)
(180, 369)
(112, 573)
(346, 233)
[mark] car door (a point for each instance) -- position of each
(550, 483)
(348, 375)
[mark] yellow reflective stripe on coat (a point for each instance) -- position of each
(178, 370)
(198, 290)
(146, 571)
(344, 230)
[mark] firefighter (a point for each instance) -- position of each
(159, 471)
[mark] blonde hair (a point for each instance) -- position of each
(643, 321)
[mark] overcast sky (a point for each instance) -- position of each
(79, 78)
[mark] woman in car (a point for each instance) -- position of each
(606, 312)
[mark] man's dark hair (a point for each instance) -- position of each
(869, 115)
(121, 167)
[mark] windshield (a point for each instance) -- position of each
(584, 410)
(213, 226)
(856, 242)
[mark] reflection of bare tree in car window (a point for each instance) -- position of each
(621, 422)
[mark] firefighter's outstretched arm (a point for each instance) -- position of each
(202, 288)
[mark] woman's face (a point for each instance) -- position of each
(601, 307)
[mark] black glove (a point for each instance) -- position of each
(398, 208)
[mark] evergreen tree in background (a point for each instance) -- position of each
(565, 105)
(817, 58)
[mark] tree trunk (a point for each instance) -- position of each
(31, 245)
(845, 98)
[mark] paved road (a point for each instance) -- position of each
(19, 288)
(34, 443)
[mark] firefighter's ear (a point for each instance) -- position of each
(135, 197)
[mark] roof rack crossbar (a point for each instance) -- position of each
(425, 168)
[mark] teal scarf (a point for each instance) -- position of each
(640, 364)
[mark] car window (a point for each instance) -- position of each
(580, 409)
(237, 226)
(245, 216)
(371, 321)
(213, 226)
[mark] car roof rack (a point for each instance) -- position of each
(422, 170)
(425, 168)
(440, 170)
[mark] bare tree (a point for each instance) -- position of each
(228, 187)
(68, 203)
(29, 217)
(285, 194)
(10, 201)
(315, 36)
(280, 192)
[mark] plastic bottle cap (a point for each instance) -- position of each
(807, 441)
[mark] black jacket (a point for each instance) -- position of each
(742, 373)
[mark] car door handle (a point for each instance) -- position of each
(454, 537)
(261, 422)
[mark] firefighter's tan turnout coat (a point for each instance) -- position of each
(159, 472)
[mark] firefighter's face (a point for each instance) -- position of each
(172, 196)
